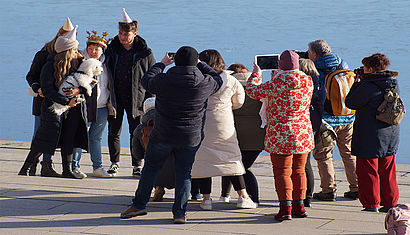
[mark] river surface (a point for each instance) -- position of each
(237, 29)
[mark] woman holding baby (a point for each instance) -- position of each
(68, 130)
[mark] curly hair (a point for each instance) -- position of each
(214, 59)
(378, 62)
(64, 65)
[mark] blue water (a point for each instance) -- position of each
(238, 29)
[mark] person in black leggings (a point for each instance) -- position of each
(250, 136)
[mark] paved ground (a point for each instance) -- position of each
(40, 205)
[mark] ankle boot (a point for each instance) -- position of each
(67, 173)
(25, 168)
(33, 169)
(284, 213)
(47, 169)
(299, 211)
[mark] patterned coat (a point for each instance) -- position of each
(289, 130)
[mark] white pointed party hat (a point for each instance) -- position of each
(68, 26)
(125, 17)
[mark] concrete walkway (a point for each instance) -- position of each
(41, 205)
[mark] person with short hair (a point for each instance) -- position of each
(321, 54)
(181, 98)
(98, 106)
(33, 79)
(375, 143)
(289, 135)
(128, 58)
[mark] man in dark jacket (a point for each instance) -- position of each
(128, 58)
(181, 100)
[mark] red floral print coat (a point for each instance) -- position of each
(289, 130)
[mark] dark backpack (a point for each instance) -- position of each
(146, 131)
(391, 110)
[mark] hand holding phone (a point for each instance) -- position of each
(171, 54)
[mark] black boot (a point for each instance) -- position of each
(33, 169)
(47, 169)
(30, 164)
(66, 163)
(24, 169)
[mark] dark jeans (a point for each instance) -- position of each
(155, 157)
(251, 183)
(310, 178)
(114, 132)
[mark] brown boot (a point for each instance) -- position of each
(47, 169)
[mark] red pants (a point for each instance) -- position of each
(290, 176)
(377, 181)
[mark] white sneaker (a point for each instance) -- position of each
(245, 203)
(206, 204)
(225, 199)
(78, 174)
(100, 172)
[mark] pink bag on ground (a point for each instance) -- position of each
(397, 221)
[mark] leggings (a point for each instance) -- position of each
(205, 184)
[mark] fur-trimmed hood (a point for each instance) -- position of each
(385, 79)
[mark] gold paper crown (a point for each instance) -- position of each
(99, 40)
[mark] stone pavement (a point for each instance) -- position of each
(41, 205)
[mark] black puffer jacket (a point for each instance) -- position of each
(372, 138)
(143, 59)
(181, 100)
(47, 136)
(33, 78)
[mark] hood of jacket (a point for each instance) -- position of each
(385, 79)
(328, 61)
(185, 76)
(292, 79)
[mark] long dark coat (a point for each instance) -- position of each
(33, 78)
(372, 138)
(48, 134)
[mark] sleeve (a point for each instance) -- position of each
(151, 81)
(255, 90)
(239, 96)
(48, 87)
(358, 96)
(33, 76)
(207, 70)
(137, 146)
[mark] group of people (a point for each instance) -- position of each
(199, 120)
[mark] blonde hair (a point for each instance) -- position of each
(50, 45)
(63, 65)
(307, 66)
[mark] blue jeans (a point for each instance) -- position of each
(95, 130)
(155, 156)
(37, 121)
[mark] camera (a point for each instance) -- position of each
(359, 72)
(171, 54)
(302, 54)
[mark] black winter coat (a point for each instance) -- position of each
(47, 136)
(372, 138)
(143, 59)
(33, 78)
(181, 100)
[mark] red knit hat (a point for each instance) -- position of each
(289, 60)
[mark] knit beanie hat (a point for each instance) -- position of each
(149, 104)
(125, 17)
(66, 42)
(289, 60)
(68, 26)
(186, 56)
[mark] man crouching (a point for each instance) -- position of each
(181, 99)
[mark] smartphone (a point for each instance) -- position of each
(171, 54)
(267, 62)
